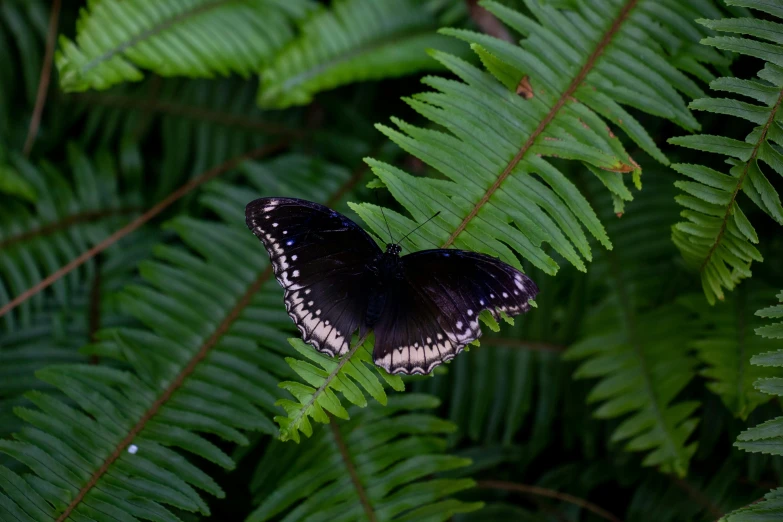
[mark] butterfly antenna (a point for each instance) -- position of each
(384, 218)
(418, 227)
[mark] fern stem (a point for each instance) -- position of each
(136, 223)
(46, 75)
(329, 378)
(210, 343)
(549, 493)
(95, 305)
(338, 439)
(730, 206)
(565, 97)
(239, 121)
(75, 219)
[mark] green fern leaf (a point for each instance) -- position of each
(767, 437)
(68, 217)
(727, 345)
(717, 238)
(376, 466)
(343, 375)
(641, 375)
(352, 40)
(173, 38)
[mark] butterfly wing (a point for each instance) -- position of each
(433, 313)
(320, 258)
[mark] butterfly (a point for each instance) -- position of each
(423, 307)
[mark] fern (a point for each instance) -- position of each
(173, 38)
(634, 341)
(767, 437)
(193, 366)
(377, 466)
(501, 194)
(717, 238)
(22, 32)
(352, 40)
(67, 218)
(343, 376)
(726, 346)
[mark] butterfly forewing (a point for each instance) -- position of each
(321, 259)
(434, 311)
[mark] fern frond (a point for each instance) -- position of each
(68, 217)
(499, 187)
(352, 40)
(376, 466)
(634, 341)
(640, 374)
(768, 436)
(727, 344)
(194, 38)
(352, 371)
(717, 238)
(193, 366)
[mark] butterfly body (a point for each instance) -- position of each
(423, 307)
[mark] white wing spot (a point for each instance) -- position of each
(307, 291)
(516, 293)
(289, 242)
(317, 312)
(459, 325)
(293, 257)
(505, 294)
(310, 303)
(440, 337)
(285, 232)
(470, 312)
(429, 340)
(275, 224)
(491, 296)
(295, 274)
(481, 302)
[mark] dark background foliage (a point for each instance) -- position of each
(148, 370)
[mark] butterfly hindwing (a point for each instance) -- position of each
(321, 259)
(433, 313)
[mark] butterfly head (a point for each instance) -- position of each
(393, 248)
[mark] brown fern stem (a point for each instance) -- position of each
(363, 498)
(567, 95)
(65, 223)
(46, 75)
(239, 121)
(136, 223)
(740, 180)
(549, 493)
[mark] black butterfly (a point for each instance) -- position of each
(423, 307)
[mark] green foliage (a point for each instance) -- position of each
(768, 436)
(352, 40)
(381, 462)
(717, 237)
(343, 376)
(116, 39)
(162, 379)
(66, 218)
(727, 345)
(641, 375)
